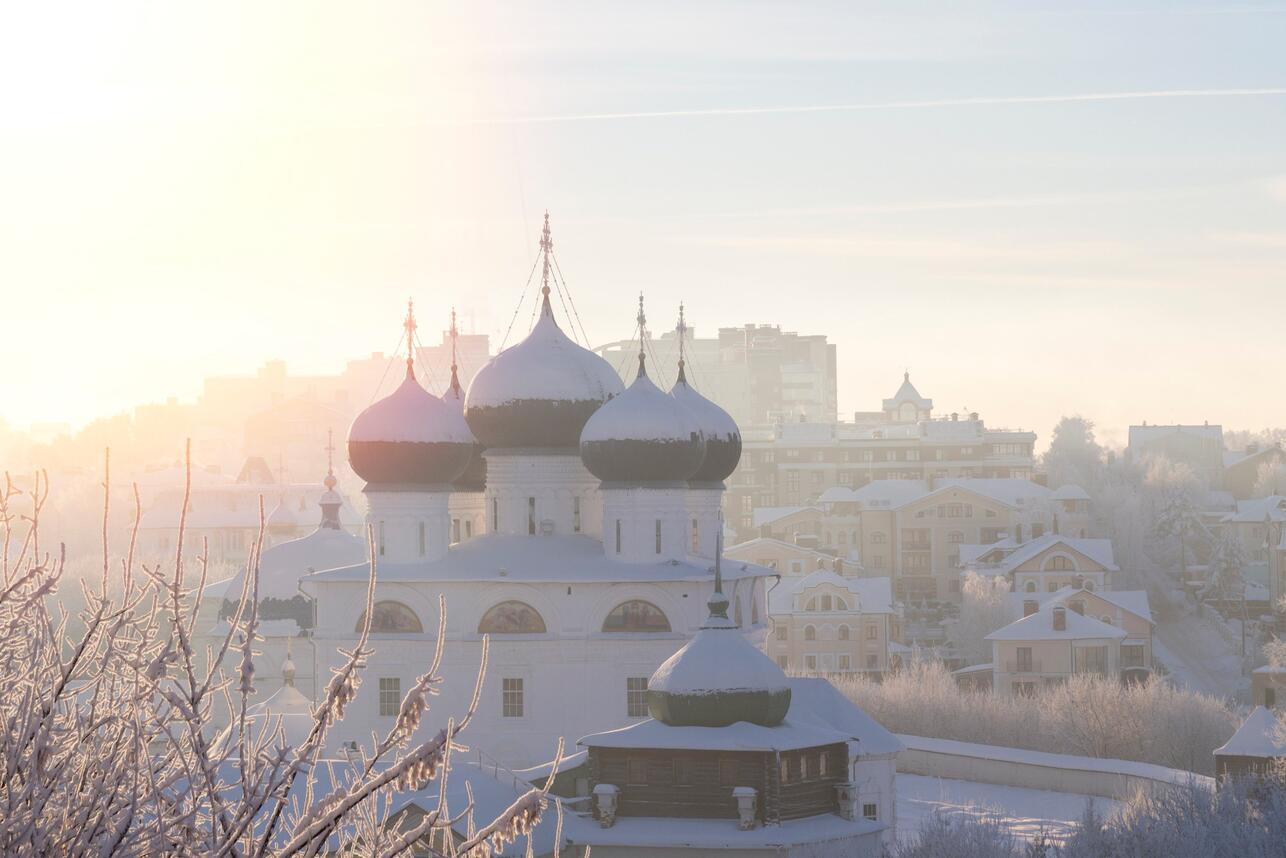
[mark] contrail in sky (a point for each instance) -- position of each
(900, 105)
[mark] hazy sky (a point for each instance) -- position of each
(189, 190)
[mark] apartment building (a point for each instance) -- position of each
(1048, 646)
(759, 374)
(792, 464)
(834, 624)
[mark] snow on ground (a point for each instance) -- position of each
(1027, 812)
(1198, 656)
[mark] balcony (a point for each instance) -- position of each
(1024, 666)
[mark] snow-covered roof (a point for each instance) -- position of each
(768, 514)
(1007, 490)
(970, 553)
(1133, 601)
(742, 549)
(837, 494)
(282, 566)
(1255, 510)
(564, 559)
(1069, 491)
(1258, 736)
(717, 660)
(1268, 668)
(874, 595)
(907, 393)
(1148, 434)
(643, 412)
(1097, 550)
(889, 494)
(818, 715)
(1040, 627)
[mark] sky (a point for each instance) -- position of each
(1038, 208)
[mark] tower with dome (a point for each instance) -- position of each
(595, 556)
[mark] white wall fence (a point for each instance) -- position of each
(990, 764)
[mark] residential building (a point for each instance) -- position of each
(1268, 687)
(1199, 447)
(791, 558)
(1050, 645)
(829, 623)
(1045, 564)
(1242, 470)
(1126, 609)
(759, 373)
(1255, 750)
(793, 464)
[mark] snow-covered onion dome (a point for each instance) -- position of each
(540, 392)
(409, 437)
(721, 433)
(719, 677)
(642, 436)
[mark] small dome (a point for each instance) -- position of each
(474, 478)
(642, 436)
(540, 392)
(721, 433)
(718, 678)
(409, 437)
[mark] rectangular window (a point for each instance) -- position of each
(658, 536)
(495, 515)
(872, 632)
(1024, 659)
(1132, 655)
(468, 528)
(1090, 659)
(682, 772)
(618, 536)
(576, 515)
(511, 694)
(727, 772)
(455, 530)
(531, 516)
(381, 539)
(422, 539)
(810, 662)
(844, 663)
(872, 661)
(636, 696)
(782, 662)
(782, 631)
(785, 770)
(636, 771)
(390, 696)
(871, 811)
(696, 537)
(823, 764)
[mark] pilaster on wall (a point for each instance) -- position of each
(705, 509)
(535, 492)
(646, 524)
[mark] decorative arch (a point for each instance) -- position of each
(512, 618)
(842, 633)
(810, 633)
(636, 615)
(391, 618)
(840, 604)
(1030, 587)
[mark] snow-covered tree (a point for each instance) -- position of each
(1178, 518)
(982, 611)
(106, 738)
(1074, 456)
(1227, 560)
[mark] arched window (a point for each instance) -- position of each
(810, 633)
(955, 537)
(1031, 587)
(755, 593)
(840, 604)
(1105, 618)
(636, 615)
(1059, 563)
(391, 618)
(842, 633)
(812, 604)
(826, 603)
(512, 618)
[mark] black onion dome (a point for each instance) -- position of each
(718, 678)
(540, 392)
(722, 435)
(409, 437)
(642, 436)
(474, 478)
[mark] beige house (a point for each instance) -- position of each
(1046, 564)
(833, 624)
(1048, 646)
(1128, 610)
(790, 558)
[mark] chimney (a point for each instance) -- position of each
(1030, 606)
(1060, 619)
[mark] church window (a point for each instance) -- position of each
(871, 811)
(658, 536)
(840, 604)
(576, 514)
(392, 618)
(636, 696)
(512, 618)
(842, 633)
(495, 515)
(422, 540)
(636, 615)
(810, 662)
(754, 600)
(782, 631)
(696, 537)
(390, 696)
(826, 603)
(381, 539)
(1030, 587)
(618, 536)
(531, 516)
(511, 697)
(455, 530)
(810, 633)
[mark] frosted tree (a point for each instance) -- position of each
(982, 611)
(106, 741)
(1177, 518)
(1074, 456)
(1227, 560)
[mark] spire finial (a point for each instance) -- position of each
(330, 480)
(409, 325)
(718, 603)
(455, 377)
(682, 330)
(641, 318)
(546, 249)
(906, 374)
